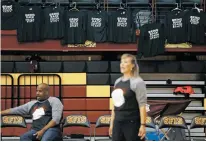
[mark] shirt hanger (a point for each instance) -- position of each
(195, 7)
(120, 6)
(97, 7)
(177, 8)
(75, 7)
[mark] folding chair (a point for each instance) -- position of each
(172, 121)
(172, 108)
(198, 122)
(76, 120)
(150, 124)
(103, 121)
(12, 121)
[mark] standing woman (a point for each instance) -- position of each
(128, 117)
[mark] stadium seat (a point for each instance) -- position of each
(198, 122)
(78, 121)
(12, 121)
(171, 121)
(102, 121)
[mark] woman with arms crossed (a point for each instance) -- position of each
(129, 97)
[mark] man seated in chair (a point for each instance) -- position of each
(46, 114)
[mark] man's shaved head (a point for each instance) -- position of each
(44, 86)
(42, 92)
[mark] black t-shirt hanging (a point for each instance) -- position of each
(175, 24)
(30, 24)
(75, 27)
(151, 40)
(53, 26)
(196, 22)
(9, 15)
(97, 26)
(121, 27)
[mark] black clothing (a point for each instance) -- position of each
(75, 27)
(9, 15)
(127, 117)
(196, 22)
(151, 40)
(30, 24)
(121, 27)
(53, 26)
(97, 26)
(175, 27)
(130, 109)
(45, 119)
(126, 131)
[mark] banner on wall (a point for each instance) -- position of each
(86, 44)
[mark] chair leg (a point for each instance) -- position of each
(165, 134)
(189, 134)
(90, 134)
(94, 134)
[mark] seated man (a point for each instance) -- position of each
(46, 114)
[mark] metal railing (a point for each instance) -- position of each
(27, 84)
(7, 90)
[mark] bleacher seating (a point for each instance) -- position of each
(85, 86)
(83, 91)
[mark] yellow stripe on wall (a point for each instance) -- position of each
(6, 80)
(111, 104)
(73, 78)
(98, 91)
(67, 79)
(205, 104)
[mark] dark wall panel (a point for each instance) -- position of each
(22, 67)
(74, 67)
(98, 79)
(7, 67)
(97, 66)
(115, 66)
(50, 67)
